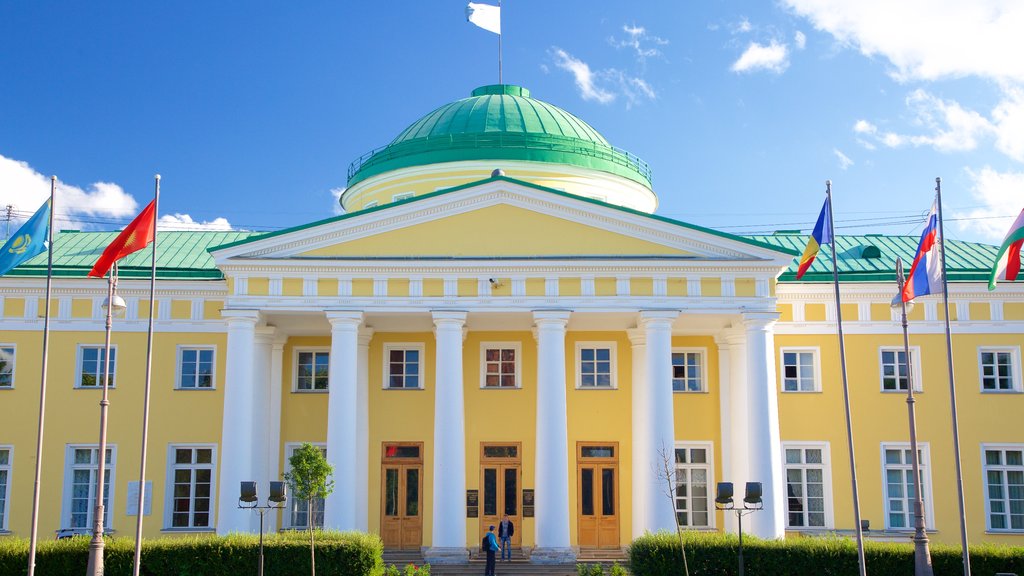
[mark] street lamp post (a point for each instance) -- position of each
(114, 305)
(752, 502)
(249, 499)
(922, 556)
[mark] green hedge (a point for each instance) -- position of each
(337, 554)
(716, 554)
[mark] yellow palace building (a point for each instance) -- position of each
(500, 324)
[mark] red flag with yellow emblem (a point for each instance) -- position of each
(133, 238)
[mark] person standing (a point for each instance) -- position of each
(490, 545)
(505, 531)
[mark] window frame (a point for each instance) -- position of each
(79, 358)
(168, 519)
(67, 492)
(1015, 376)
(181, 348)
(815, 352)
(915, 369)
(288, 517)
(709, 464)
(402, 196)
(5, 506)
(1003, 447)
(295, 369)
(513, 345)
(703, 353)
(14, 365)
(926, 481)
(386, 370)
(826, 479)
(612, 358)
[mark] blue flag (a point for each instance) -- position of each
(30, 240)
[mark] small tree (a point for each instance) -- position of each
(310, 479)
(667, 476)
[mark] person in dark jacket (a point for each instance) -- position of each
(505, 531)
(490, 545)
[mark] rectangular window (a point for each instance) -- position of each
(5, 483)
(6, 366)
(894, 369)
(999, 370)
(800, 370)
(195, 368)
(298, 509)
(500, 363)
(81, 470)
(688, 371)
(1004, 487)
(311, 370)
(403, 366)
(191, 495)
(898, 483)
(693, 481)
(808, 486)
(402, 196)
(595, 365)
(91, 364)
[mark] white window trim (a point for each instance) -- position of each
(78, 367)
(169, 488)
(926, 479)
(289, 448)
(14, 367)
(295, 368)
(709, 448)
(10, 480)
(65, 508)
(826, 464)
(386, 369)
(177, 368)
(703, 368)
(816, 352)
(915, 369)
(1014, 366)
(518, 347)
(613, 357)
(402, 196)
(984, 486)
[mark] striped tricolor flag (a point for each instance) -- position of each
(821, 235)
(1007, 265)
(926, 272)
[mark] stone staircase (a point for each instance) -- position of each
(520, 564)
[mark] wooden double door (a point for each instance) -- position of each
(401, 517)
(597, 481)
(501, 487)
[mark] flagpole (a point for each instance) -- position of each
(861, 564)
(42, 389)
(499, 46)
(952, 388)
(145, 402)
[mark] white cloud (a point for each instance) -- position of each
(800, 40)
(774, 57)
(178, 222)
(336, 208)
(999, 194)
(1008, 123)
(928, 39)
(947, 126)
(844, 160)
(742, 27)
(864, 127)
(604, 86)
(583, 76)
(639, 41)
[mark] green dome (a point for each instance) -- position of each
(500, 122)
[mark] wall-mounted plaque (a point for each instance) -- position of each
(472, 503)
(528, 503)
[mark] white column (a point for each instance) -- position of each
(261, 429)
(274, 443)
(449, 522)
(342, 442)
(641, 438)
(363, 430)
(552, 465)
(763, 425)
(236, 444)
(659, 416)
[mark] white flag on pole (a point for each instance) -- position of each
(485, 16)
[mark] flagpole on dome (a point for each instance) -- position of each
(861, 563)
(952, 386)
(499, 43)
(42, 388)
(136, 563)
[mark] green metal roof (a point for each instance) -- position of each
(179, 255)
(872, 258)
(500, 122)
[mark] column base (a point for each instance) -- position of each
(542, 555)
(445, 555)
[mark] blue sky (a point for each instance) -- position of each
(252, 111)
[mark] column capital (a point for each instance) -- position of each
(265, 335)
(759, 320)
(344, 317)
(241, 316)
(730, 337)
(651, 316)
(551, 317)
(637, 336)
(449, 317)
(365, 335)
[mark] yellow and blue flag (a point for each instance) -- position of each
(30, 240)
(822, 235)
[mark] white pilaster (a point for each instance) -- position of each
(363, 430)
(449, 534)
(552, 464)
(236, 445)
(658, 415)
(735, 454)
(763, 425)
(641, 438)
(342, 441)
